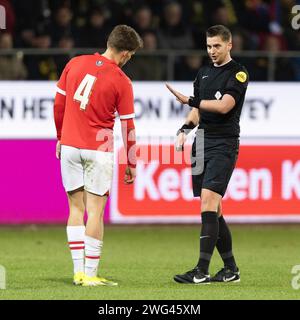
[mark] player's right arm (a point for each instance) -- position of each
(129, 140)
(59, 106)
(125, 108)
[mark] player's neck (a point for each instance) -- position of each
(225, 61)
(111, 55)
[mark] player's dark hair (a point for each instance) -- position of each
(124, 38)
(219, 30)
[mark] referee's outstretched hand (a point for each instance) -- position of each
(179, 96)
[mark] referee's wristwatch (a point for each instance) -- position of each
(194, 102)
(180, 131)
(186, 128)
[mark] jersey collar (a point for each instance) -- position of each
(98, 55)
(222, 65)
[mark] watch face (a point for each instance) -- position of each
(179, 131)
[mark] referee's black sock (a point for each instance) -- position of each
(208, 238)
(224, 245)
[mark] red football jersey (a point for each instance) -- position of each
(95, 88)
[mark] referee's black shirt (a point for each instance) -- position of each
(212, 83)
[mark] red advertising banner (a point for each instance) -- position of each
(265, 185)
(31, 189)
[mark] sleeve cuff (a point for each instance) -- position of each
(127, 116)
(58, 90)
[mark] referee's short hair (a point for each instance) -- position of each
(219, 30)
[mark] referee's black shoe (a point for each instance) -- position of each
(227, 275)
(194, 276)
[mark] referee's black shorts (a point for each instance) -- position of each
(220, 156)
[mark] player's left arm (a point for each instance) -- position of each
(59, 111)
(59, 106)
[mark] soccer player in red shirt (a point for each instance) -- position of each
(91, 89)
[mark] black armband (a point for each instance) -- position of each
(194, 102)
(186, 128)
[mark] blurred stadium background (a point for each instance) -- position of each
(40, 36)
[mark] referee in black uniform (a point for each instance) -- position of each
(219, 93)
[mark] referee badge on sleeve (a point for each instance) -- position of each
(218, 95)
(241, 76)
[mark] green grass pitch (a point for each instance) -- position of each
(143, 259)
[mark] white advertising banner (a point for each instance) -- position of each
(26, 110)
(271, 110)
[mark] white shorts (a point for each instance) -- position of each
(91, 169)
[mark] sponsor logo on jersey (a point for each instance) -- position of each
(241, 76)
